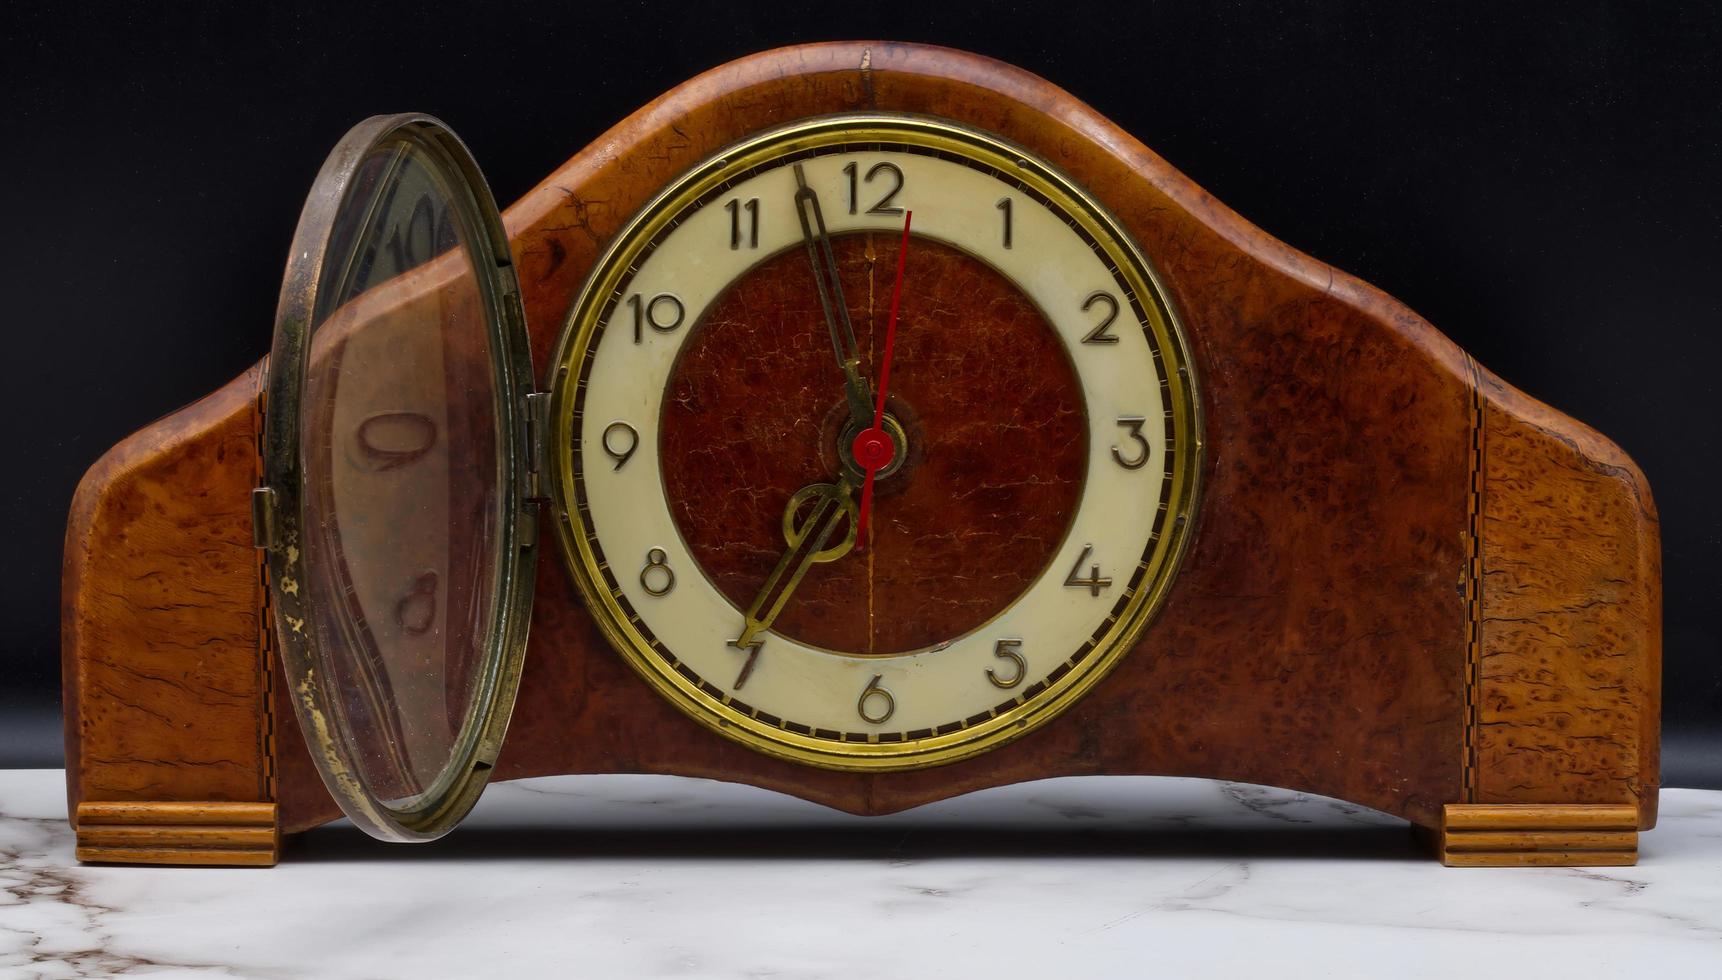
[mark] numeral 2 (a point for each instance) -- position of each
(1099, 334)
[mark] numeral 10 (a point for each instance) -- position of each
(663, 312)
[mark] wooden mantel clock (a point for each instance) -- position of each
(900, 428)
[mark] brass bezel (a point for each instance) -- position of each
(458, 786)
(786, 143)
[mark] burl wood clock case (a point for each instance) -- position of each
(901, 428)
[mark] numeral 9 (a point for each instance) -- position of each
(631, 442)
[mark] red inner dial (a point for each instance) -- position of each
(984, 391)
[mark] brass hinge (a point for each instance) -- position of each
(537, 439)
(263, 517)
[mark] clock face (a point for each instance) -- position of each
(843, 580)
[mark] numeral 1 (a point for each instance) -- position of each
(1004, 205)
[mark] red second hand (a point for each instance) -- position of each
(873, 448)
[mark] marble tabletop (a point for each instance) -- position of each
(635, 876)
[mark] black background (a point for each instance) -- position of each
(1538, 180)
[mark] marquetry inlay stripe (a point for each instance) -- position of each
(1473, 587)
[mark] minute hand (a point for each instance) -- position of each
(831, 299)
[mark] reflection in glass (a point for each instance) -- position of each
(401, 463)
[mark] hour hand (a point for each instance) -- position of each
(809, 544)
(831, 302)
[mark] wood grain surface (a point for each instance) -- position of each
(1569, 683)
(1408, 587)
(166, 690)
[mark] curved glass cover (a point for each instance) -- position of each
(402, 562)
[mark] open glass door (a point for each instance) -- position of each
(401, 544)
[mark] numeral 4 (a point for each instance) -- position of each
(1093, 583)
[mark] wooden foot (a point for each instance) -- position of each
(1501, 835)
(179, 833)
